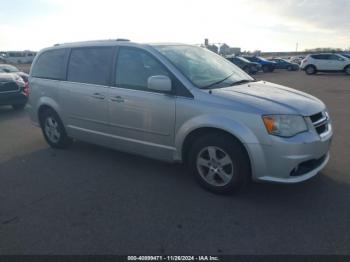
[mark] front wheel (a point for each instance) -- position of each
(246, 69)
(310, 70)
(347, 70)
(220, 163)
(53, 130)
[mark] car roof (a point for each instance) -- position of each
(109, 42)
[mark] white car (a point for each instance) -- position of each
(325, 63)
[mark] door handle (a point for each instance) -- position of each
(117, 99)
(98, 96)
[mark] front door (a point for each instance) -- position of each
(143, 120)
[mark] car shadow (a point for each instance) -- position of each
(135, 203)
(7, 112)
(96, 160)
(336, 74)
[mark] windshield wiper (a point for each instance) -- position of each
(218, 82)
(242, 82)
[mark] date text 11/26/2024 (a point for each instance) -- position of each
(173, 258)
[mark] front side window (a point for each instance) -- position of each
(202, 67)
(134, 67)
(51, 64)
(90, 65)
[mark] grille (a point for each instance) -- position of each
(320, 122)
(8, 87)
(316, 117)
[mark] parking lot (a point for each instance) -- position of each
(93, 200)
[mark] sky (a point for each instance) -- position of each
(266, 25)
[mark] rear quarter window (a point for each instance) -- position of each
(51, 65)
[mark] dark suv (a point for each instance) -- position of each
(267, 66)
(246, 65)
(13, 90)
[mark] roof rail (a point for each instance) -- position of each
(122, 39)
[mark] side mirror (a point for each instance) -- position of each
(159, 83)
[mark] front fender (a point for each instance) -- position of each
(230, 125)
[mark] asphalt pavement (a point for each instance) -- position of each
(93, 200)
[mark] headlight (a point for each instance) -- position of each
(284, 125)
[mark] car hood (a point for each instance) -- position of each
(272, 98)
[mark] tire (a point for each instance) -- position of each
(18, 106)
(53, 130)
(265, 68)
(272, 69)
(310, 70)
(229, 169)
(246, 69)
(347, 70)
(289, 68)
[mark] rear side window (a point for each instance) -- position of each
(315, 56)
(51, 65)
(91, 65)
(321, 57)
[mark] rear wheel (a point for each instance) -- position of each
(266, 68)
(219, 163)
(53, 129)
(310, 70)
(18, 106)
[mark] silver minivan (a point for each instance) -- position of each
(179, 103)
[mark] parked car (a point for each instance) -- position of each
(325, 63)
(19, 57)
(179, 103)
(266, 65)
(284, 64)
(246, 65)
(296, 59)
(12, 69)
(13, 90)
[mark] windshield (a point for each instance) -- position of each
(8, 68)
(202, 67)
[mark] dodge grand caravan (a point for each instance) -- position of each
(183, 103)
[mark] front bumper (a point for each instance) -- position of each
(290, 160)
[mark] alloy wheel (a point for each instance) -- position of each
(215, 166)
(51, 129)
